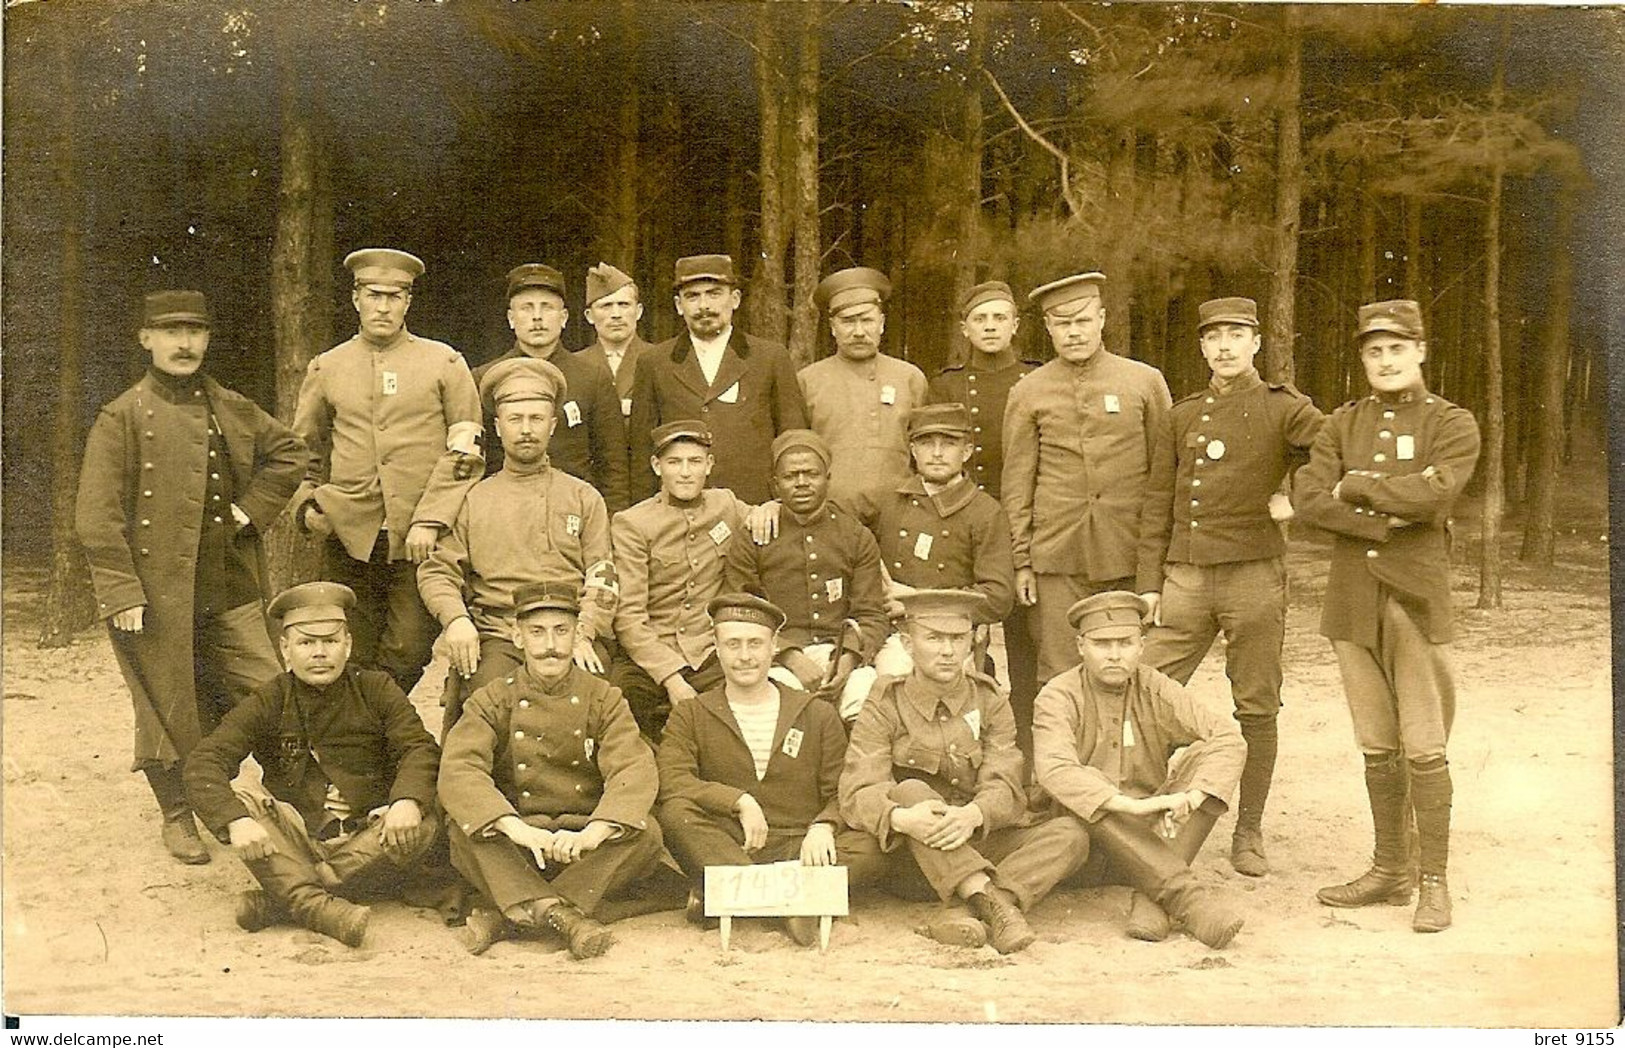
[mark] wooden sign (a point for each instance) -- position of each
(777, 889)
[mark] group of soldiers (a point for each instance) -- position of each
(701, 608)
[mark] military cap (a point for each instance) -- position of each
(746, 607)
(1400, 316)
(1115, 613)
(792, 439)
(1076, 288)
(682, 429)
(991, 291)
(948, 610)
(604, 279)
(1227, 311)
(694, 268)
(317, 608)
(849, 289)
(521, 378)
(952, 419)
(546, 596)
(383, 267)
(163, 308)
(535, 275)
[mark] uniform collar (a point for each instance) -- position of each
(925, 694)
(401, 337)
(564, 685)
(949, 500)
(827, 510)
(1404, 396)
(522, 350)
(176, 388)
(1240, 384)
(979, 361)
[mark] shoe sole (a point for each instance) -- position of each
(956, 933)
(1250, 864)
(1016, 947)
(1147, 934)
(1220, 941)
(482, 934)
(1395, 899)
(593, 944)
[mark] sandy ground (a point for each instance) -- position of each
(98, 920)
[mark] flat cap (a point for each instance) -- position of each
(791, 439)
(991, 291)
(1115, 613)
(163, 308)
(535, 275)
(604, 279)
(521, 378)
(952, 419)
(317, 608)
(690, 429)
(546, 596)
(849, 289)
(1400, 316)
(746, 607)
(1227, 311)
(716, 268)
(949, 610)
(383, 267)
(1077, 288)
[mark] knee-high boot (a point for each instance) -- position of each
(294, 885)
(1431, 796)
(1247, 846)
(1388, 881)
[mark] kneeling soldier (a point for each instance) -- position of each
(1102, 735)
(933, 761)
(749, 770)
(346, 808)
(547, 785)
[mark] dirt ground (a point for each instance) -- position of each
(98, 919)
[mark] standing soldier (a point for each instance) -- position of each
(741, 386)
(589, 440)
(1212, 555)
(1077, 449)
(181, 477)
(989, 321)
(1382, 477)
(614, 309)
(858, 400)
(395, 419)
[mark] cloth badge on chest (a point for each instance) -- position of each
(587, 744)
(792, 742)
(1113, 404)
(572, 524)
(973, 720)
(888, 394)
(922, 547)
(1405, 446)
(392, 384)
(720, 532)
(833, 589)
(572, 414)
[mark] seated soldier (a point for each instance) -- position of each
(823, 569)
(527, 523)
(749, 770)
(1102, 735)
(937, 530)
(668, 559)
(547, 787)
(933, 762)
(346, 805)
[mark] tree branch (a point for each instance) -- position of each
(1073, 205)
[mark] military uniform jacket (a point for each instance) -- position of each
(360, 733)
(1090, 744)
(1077, 452)
(703, 758)
(821, 572)
(959, 739)
(955, 539)
(985, 391)
(139, 517)
(753, 400)
(627, 374)
(1407, 456)
(589, 432)
(561, 757)
(1216, 462)
(377, 421)
(861, 409)
(515, 529)
(669, 560)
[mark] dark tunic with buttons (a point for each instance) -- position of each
(1407, 455)
(153, 483)
(985, 391)
(559, 756)
(359, 734)
(821, 572)
(956, 539)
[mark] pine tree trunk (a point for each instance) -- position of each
(1280, 324)
(1119, 290)
(623, 236)
(1489, 577)
(809, 240)
(70, 605)
(1540, 518)
(970, 216)
(769, 318)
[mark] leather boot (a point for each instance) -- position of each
(1156, 869)
(1247, 845)
(956, 927)
(1388, 881)
(179, 831)
(585, 936)
(337, 918)
(486, 927)
(1147, 921)
(293, 884)
(1431, 796)
(1008, 930)
(257, 910)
